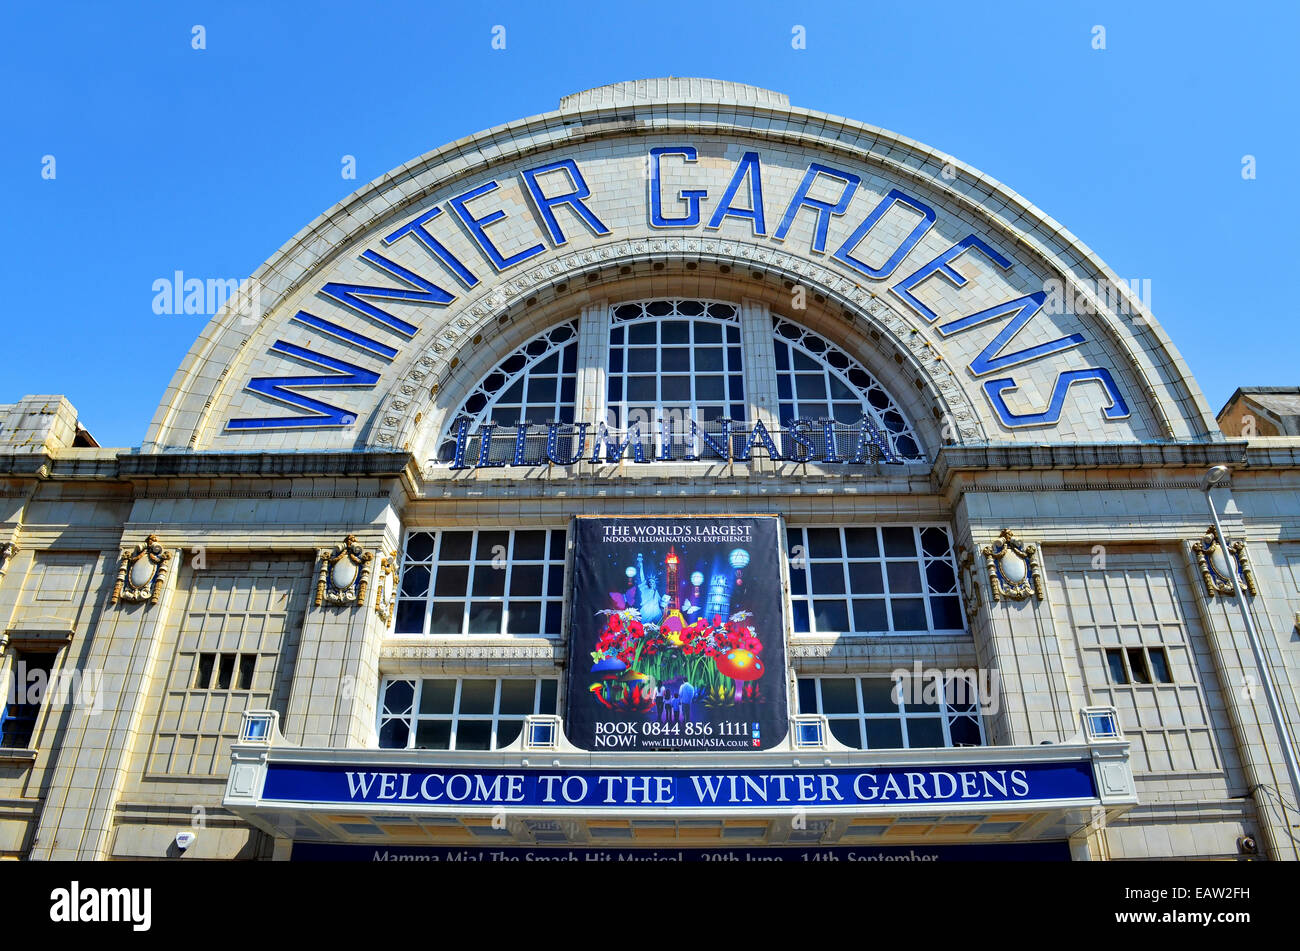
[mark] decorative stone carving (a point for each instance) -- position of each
(1013, 568)
(386, 588)
(7, 552)
(141, 572)
(344, 574)
(967, 576)
(1213, 562)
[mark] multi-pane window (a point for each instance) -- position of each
(460, 713)
(671, 362)
(26, 690)
(816, 380)
(1138, 665)
(675, 361)
(878, 712)
(535, 384)
(482, 582)
(224, 671)
(873, 580)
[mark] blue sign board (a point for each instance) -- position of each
(679, 788)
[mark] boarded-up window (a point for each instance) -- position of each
(1136, 638)
(232, 649)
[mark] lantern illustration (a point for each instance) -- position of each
(697, 579)
(739, 558)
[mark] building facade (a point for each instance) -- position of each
(351, 596)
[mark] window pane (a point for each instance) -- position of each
(437, 696)
(547, 702)
(831, 616)
(924, 733)
(899, 542)
(433, 735)
(485, 617)
(454, 546)
(935, 541)
(530, 546)
(492, 546)
(419, 546)
(947, 614)
(848, 732)
(203, 677)
(884, 735)
(447, 617)
(508, 731)
(869, 616)
(904, 577)
(965, 731)
(824, 543)
(525, 617)
(410, 617)
(909, 615)
(878, 695)
(226, 671)
(1138, 665)
(827, 577)
(474, 735)
(451, 580)
(808, 695)
(477, 696)
(517, 696)
(839, 695)
(526, 580)
(489, 581)
(864, 577)
(394, 734)
(1160, 665)
(415, 582)
(1115, 666)
(247, 662)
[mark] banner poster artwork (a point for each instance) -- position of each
(677, 639)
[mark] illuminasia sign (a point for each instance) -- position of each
(677, 635)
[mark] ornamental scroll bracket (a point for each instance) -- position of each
(1013, 569)
(7, 552)
(1215, 572)
(386, 587)
(972, 593)
(141, 572)
(344, 574)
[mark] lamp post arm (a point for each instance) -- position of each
(1256, 647)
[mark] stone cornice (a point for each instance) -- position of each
(953, 460)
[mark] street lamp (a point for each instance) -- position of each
(1219, 476)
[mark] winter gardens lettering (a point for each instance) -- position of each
(742, 198)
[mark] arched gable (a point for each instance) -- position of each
(1013, 328)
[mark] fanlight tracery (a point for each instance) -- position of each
(671, 366)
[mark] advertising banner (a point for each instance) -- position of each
(677, 634)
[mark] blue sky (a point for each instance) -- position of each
(206, 162)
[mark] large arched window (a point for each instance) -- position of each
(675, 361)
(817, 380)
(669, 365)
(535, 384)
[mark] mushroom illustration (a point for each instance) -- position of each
(609, 668)
(740, 665)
